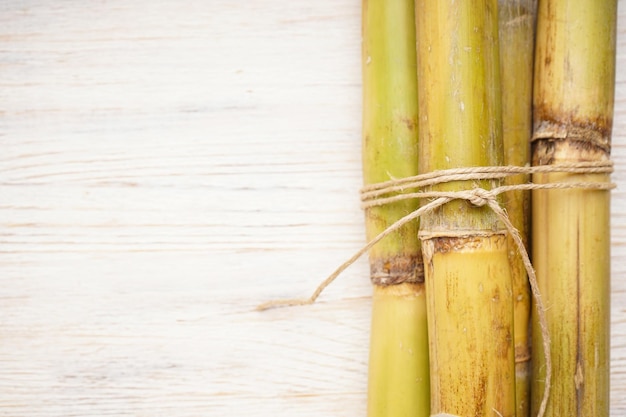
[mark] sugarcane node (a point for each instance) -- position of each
(397, 270)
(469, 240)
(596, 132)
(546, 111)
(549, 151)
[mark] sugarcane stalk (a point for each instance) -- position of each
(573, 113)
(398, 365)
(516, 35)
(468, 282)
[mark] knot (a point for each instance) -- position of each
(479, 197)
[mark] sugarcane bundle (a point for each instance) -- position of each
(398, 367)
(573, 109)
(473, 64)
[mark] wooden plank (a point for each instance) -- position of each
(164, 169)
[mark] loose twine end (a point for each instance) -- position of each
(285, 303)
(375, 195)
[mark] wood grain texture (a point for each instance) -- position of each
(164, 169)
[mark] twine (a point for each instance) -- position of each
(373, 195)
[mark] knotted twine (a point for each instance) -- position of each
(374, 195)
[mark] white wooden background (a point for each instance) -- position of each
(166, 166)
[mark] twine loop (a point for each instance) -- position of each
(396, 190)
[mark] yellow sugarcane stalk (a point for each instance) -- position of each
(398, 365)
(517, 39)
(468, 282)
(573, 113)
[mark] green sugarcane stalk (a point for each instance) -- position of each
(468, 282)
(398, 365)
(573, 114)
(517, 39)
